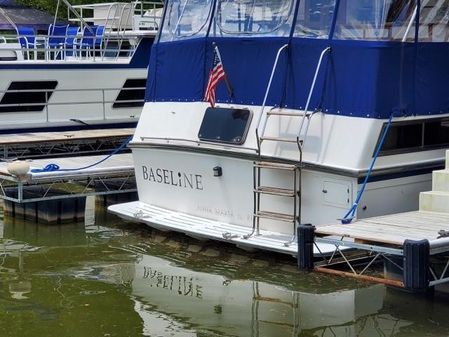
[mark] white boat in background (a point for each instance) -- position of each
(315, 93)
(88, 73)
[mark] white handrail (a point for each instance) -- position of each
(409, 26)
(312, 88)
(42, 49)
(79, 17)
(262, 115)
(6, 16)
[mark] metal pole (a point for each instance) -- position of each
(83, 22)
(309, 98)
(2, 12)
(104, 107)
(20, 191)
(268, 90)
(56, 15)
(46, 105)
(409, 26)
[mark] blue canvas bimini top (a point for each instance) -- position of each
(384, 57)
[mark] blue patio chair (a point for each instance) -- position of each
(70, 41)
(27, 39)
(99, 34)
(56, 40)
(87, 42)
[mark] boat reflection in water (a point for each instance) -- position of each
(253, 308)
(131, 283)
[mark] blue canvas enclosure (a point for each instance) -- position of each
(362, 78)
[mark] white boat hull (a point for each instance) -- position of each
(85, 94)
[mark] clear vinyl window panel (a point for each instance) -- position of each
(223, 125)
(376, 20)
(253, 17)
(186, 19)
(434, 21)
(315, 18)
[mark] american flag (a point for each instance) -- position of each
(216, 74)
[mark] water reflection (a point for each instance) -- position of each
(107, 278)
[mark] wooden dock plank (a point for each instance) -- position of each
(392, 229)
(39, 137)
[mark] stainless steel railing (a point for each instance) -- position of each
(118, 47)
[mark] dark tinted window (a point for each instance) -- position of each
(436, 133)
(416, 136)
(403, 137)
(32, 93)
(225, 125)
(132, 94)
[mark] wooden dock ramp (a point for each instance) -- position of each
(392, 229)
(412, 249)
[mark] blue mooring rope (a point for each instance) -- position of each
(54, 167)
(349, 216)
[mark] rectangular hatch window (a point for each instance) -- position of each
(223, 125)
(27, 96)
(132, 94)
(416, 135)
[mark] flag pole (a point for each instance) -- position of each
(228, 85)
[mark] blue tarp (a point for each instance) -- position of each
(368, 79)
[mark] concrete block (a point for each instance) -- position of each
(434, 201)
(447, 159)
(440, 180)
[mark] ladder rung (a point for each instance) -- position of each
(276, 166)
(275, 216)
(285, 113)
(284, 192)
(279, 139)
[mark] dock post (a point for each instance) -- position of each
(416, 265)
(306, 238)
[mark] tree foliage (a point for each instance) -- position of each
(50, 5)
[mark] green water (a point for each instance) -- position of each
(106, 277)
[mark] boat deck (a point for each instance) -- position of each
(392, 229)
(202, 228)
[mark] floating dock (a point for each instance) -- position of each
(413, 246)
(114, 175)
(58, 196)
(61, 143)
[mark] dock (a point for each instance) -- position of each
(412, 247)
(61, 143)
(114, 175)
(59, 195)
(392, 229)
(414, 244)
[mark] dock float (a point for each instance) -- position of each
(41, 195)
(61, 143)
(412, 246)
(59, 196)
